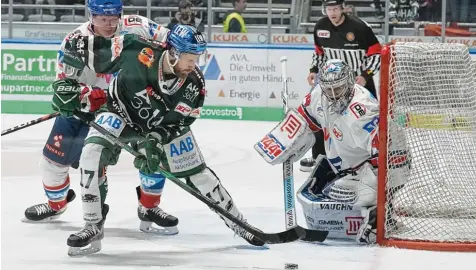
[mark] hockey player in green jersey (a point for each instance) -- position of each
(156, 96)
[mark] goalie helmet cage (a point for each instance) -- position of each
(427, 147)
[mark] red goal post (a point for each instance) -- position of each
(427, 147)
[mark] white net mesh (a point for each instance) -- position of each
(432, 127)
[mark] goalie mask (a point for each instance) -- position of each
(337, 83)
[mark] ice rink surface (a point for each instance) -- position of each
(204, 242)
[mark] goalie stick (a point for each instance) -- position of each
(287, 236)
(288, 178)
(30, 123)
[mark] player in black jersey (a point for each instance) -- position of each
(340, 36)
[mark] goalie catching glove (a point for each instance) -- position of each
(70, 96)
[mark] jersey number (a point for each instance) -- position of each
(90, 178)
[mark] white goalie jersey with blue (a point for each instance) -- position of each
(343, 186)
(351, 143)
(351, 137)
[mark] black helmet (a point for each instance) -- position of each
(332, 2)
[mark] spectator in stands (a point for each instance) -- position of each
(472, 11)
(77, 11)
(234, 22)
(49, 2)
(350, 10)
(378, 9)
(430, 10)
(25, 12)
(200, 14)
(185, 15)
(461, 10)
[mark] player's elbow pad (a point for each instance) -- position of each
(290, 139)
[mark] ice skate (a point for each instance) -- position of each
(44, 213)
(167, 224)
(88, 240)
(307, 164)
(368, 229)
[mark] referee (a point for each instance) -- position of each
(340, 36)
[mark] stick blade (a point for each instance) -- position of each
(314, 236)
(288, 236)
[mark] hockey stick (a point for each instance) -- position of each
(269, 238)
(30, 123)
(288, 177)
(289, 200)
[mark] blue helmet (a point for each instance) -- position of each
(186, 39)
(105, 7)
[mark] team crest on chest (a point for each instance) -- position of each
(337, 133)
(146, 57)
(350, 36)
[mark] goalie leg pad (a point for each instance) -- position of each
(321, 213)
(290, 139)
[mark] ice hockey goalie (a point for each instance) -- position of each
(341, 191)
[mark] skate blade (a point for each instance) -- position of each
(306, 169)
(52, 219)
(92, 248)
(147, 227)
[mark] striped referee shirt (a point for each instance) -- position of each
(353, 41)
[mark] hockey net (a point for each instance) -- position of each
(427, 158)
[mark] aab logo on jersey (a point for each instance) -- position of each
(211, 70)
(183, 146)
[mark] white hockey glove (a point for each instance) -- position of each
(290, 139)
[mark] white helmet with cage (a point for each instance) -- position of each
(337, 83)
